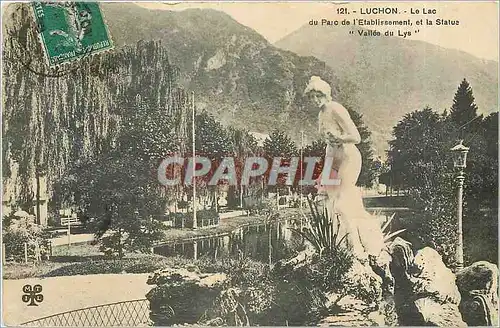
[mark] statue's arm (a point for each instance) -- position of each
(350, 133)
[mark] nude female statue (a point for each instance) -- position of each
(341, 135)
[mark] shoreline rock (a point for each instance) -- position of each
(182, 295)
(425, 289)
(478, 286)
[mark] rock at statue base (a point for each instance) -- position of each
(432, 277)
(364, 282)
(364, 305)
(181, 295)
(381, 266)
(353, 313)
(437, 314)
(478, 285)
(425, 290)
(356, 313)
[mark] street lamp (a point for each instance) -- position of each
(301, 166)
(193, 172)
(459, 162)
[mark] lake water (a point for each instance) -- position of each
(267, 243)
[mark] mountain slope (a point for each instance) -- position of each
(395, 76)
(235, 73)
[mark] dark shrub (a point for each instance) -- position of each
(203, 217)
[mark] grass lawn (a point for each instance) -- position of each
(132, 263)
(83, 249)
(30, 270)
(84, 258)
(386, 201)
(481, 237)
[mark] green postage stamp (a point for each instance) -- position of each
(71, 30)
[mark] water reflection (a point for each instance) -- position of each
(267, 243)
(263, 242)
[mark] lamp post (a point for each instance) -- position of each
(195, 219)
(459, 162)
(301, 166)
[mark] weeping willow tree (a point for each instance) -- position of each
(54, 118)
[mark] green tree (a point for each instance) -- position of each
(244, 145)
(464, 110)
(488, 134)
(419, 158)
(480, 222)
(278, 144)
(211, 137)
(420, 162)
(149, 134)
(213, 142)
(152, 133)
(481, 183)
(119, 196)
(418, 141)
(316, 149)
(481, 136)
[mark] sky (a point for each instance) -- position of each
(477, 32)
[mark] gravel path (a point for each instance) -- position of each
(70, 293)
(79, 238)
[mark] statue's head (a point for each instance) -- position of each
(318, 91)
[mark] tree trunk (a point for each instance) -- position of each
(37, 196)
(241, 196)
(120, 246)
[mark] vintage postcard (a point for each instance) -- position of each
(250, 164)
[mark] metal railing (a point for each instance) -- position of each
(129, 313)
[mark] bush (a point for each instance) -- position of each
(297, 302)
(209, 214)
(182, 204)
(480, 233)
(111, 244)
(143, 265)
(322, 232)
(440, 233)
(481, 237)
(17, 231)
(258, 208)
(257, 295)
(203, 217)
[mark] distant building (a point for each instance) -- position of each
(10, 195)
(11, 189)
